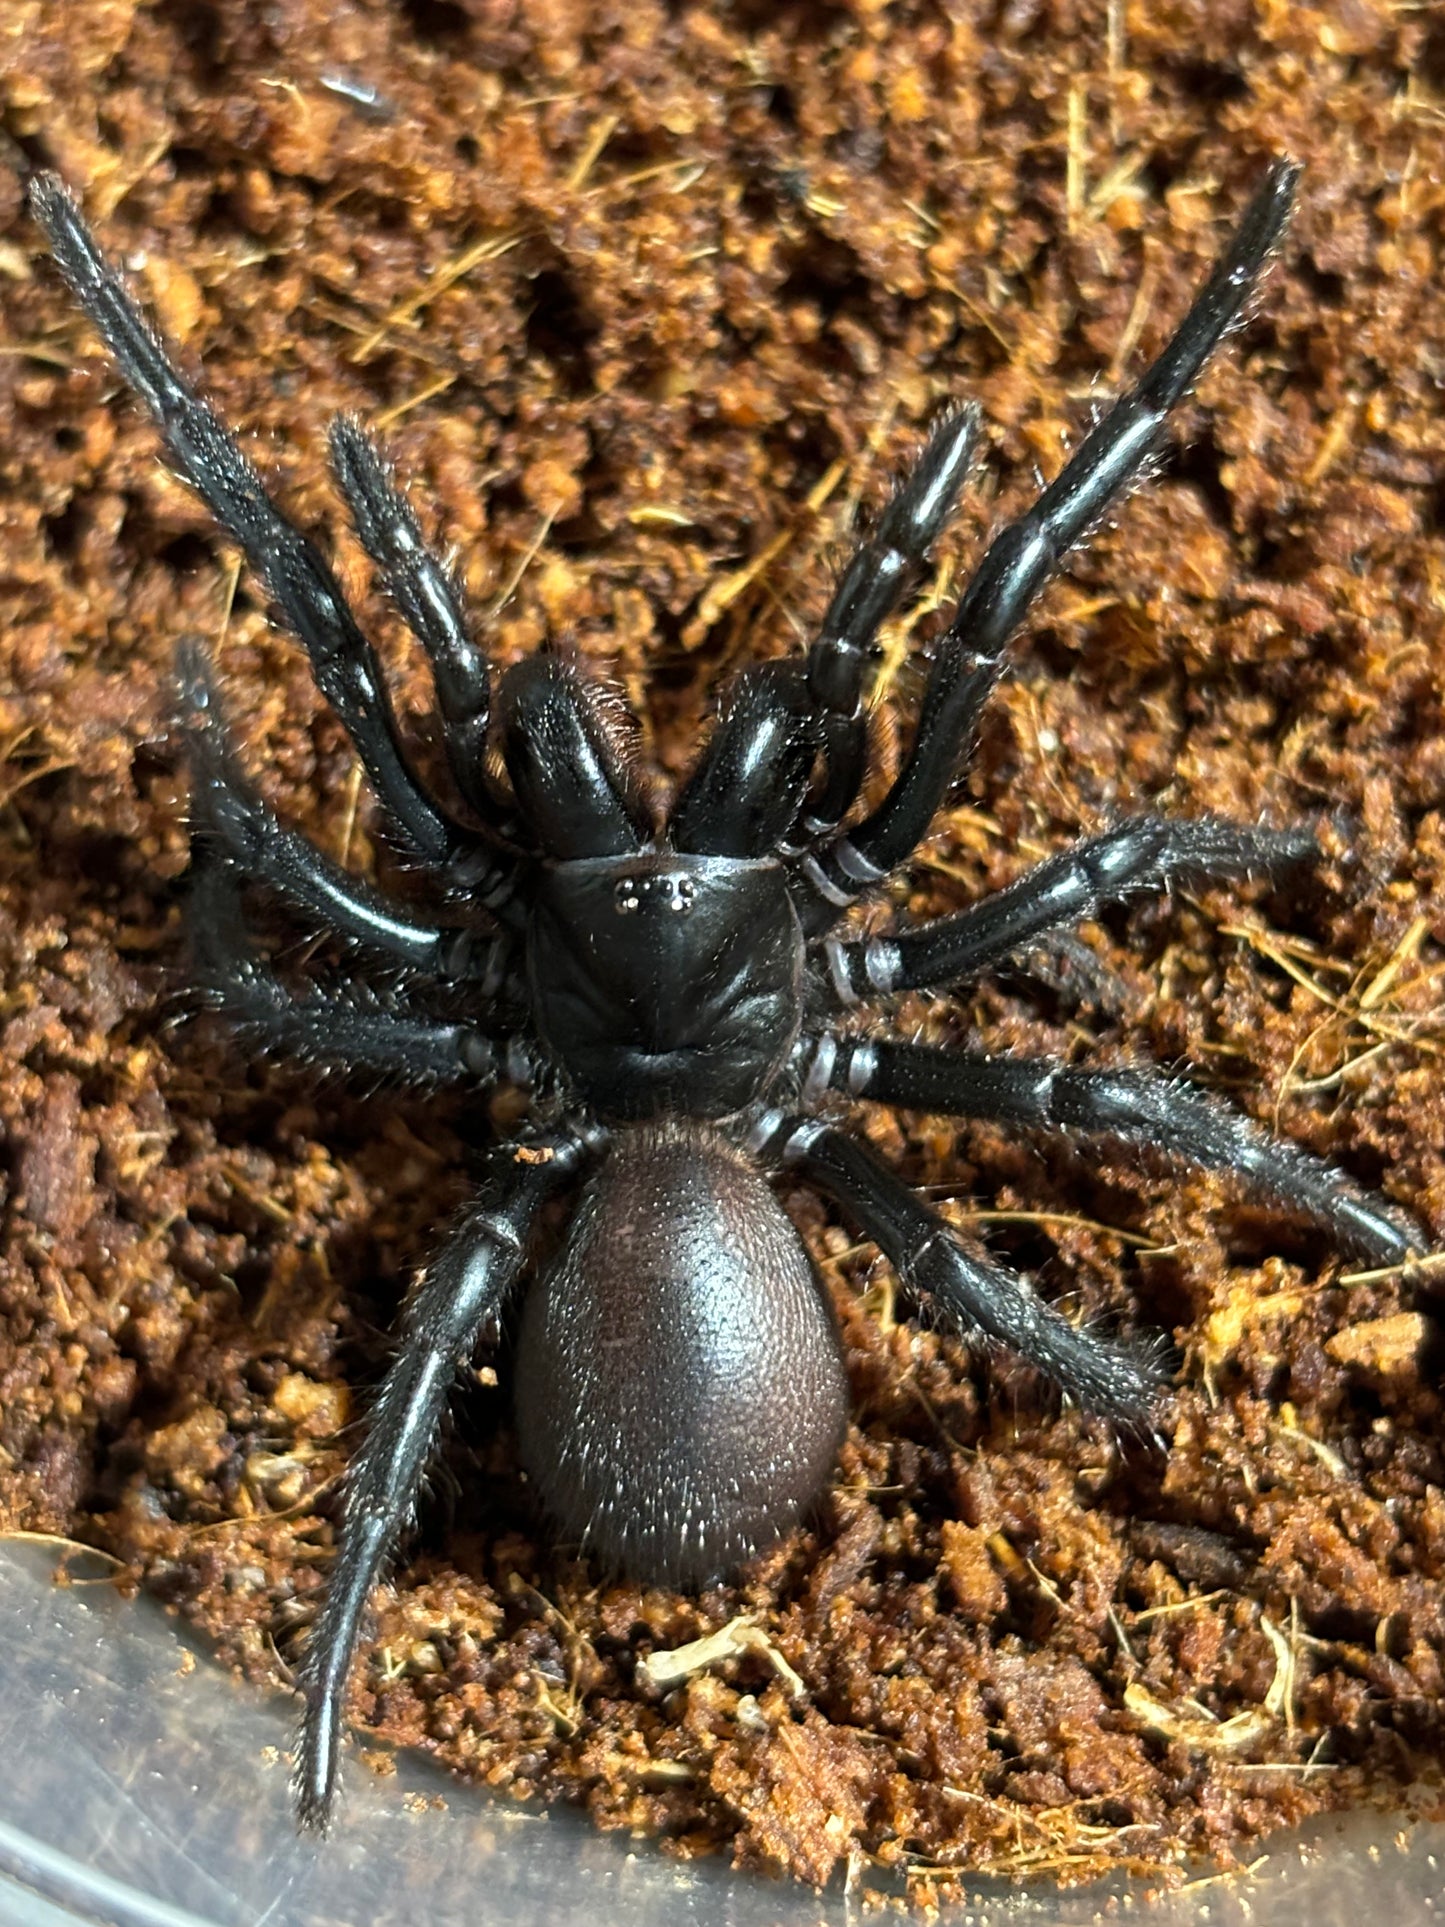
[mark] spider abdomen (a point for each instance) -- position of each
(680, 1389)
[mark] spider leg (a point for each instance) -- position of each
(465, 1287)
(1115, 1381)
(1141, 853)
(748, 790)
(969, 657)
(873, 584)
(227, 812)
(205, 454)
(341, 1027)
(427, 596)
(1134, 1107)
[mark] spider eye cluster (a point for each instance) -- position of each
(668, 890)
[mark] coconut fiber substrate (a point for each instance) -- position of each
(652, 304)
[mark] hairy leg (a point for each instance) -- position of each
(968, 659)
(231, 819)
(205, 454)
(1156, 1113)
(430, 603)
(1116, 1381)
(873, 584)
(341, 1027)
(465, 1288)
(1143, 853)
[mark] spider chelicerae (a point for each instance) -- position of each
(674, 988)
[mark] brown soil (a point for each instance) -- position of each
(651, 303)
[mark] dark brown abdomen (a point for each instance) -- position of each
(679, 1381)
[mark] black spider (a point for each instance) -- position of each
(672, 989)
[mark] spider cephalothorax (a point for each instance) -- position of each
(675, 990)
